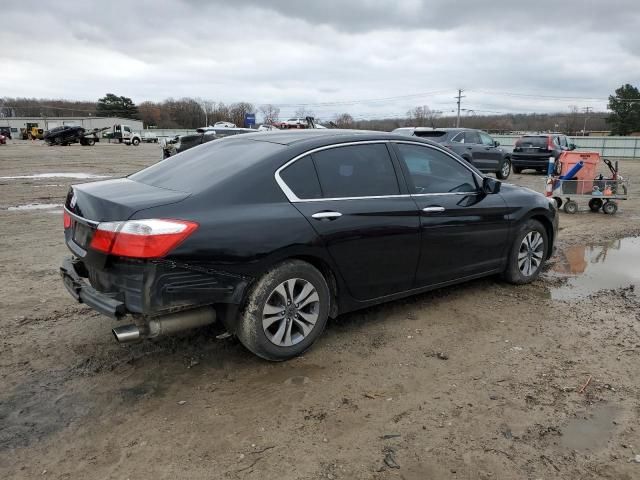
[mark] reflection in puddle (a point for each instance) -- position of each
(590, 433)
(590, 269)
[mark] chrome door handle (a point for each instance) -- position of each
(326, 215)
(433, 209)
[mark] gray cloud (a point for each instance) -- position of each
(316, 52)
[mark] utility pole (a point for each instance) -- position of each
(459, 98)
(586, 110)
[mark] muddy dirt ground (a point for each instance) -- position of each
(481, 380)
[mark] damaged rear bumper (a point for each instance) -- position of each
(149, 288)
(80, 289)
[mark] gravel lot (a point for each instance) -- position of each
(483, 380)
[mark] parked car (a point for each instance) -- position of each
(474, 146)
(3, 139)
(182, 143)
(533, 151)
(6, 131)
(272, 234)
(225, 124)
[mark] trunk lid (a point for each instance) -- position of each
(108, 201)
(118, 199)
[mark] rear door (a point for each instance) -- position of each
(463, 232)
(356, 202)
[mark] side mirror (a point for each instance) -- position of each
(572, 146)
(490, 185)
(496, 143)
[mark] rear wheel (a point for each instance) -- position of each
(528, 253)
(286, 311)
(505, 170)
(595, 204)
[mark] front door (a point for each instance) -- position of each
(489, 155)
(363, 213)
(464, 232)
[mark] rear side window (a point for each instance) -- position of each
(471, 137)
(356, 171)
(301, 178)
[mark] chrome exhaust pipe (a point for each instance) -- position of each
(165, 325)
(127, 334)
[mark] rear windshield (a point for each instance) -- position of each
(536, 142)
(204, 166)
(433, 134)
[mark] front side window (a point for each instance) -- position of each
(432, 171)
(486, 139)
(356, 171)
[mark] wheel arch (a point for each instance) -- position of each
(327, 272)
(548, 227)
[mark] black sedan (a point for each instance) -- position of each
(274, 233)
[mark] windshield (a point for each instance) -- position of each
(206, 165)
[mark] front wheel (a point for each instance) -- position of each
(528, 254)
(135, 142)
(505, 170)
(285, 312)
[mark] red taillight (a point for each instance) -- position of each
(549, 143)
(151, 238)
(66, 219)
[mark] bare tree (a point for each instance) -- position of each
(344, 120)
(302, 112)
(270, 113)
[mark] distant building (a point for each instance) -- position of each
(47, 123)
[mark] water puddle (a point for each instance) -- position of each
(36, 176)
(37, 206)
(592, 432)
(591, 269)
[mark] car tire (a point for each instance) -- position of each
(527, 257)
(135, 142)
(505, 170)
(517, 169)
(278, 335)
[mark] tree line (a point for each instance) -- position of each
(623, 118)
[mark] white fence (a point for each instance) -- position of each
(611, 147)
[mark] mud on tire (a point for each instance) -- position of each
(513, 273)
(250, 330)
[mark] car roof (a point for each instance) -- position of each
(323, 136)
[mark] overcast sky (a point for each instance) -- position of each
(399, 53)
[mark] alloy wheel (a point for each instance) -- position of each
(291, 312)
(506, 168)
(530, 253)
